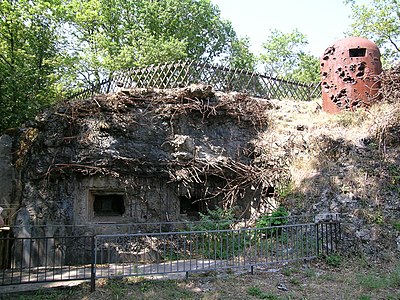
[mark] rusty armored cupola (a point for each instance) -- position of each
(349, 70)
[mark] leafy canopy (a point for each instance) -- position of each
(50, 46)
(284, 56)
(109, 35)
(379, 21)
(29, 60)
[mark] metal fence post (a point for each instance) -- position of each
(93, 265)
(317, 238)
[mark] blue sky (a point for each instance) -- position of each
(322, 21)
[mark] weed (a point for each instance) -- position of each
(117, 288)
(216, 219)
(287, 190)
(310, 273)
(333, 260)
(257, 292)
(377, 281)
(394, 277)
(394, 174)
(277, 218)
(348, 119)
(289, 271)
(373, 282)
(364, 297)
(44, 294)
(145, 286)
(294, 281)
(220, 245)
(397, 226)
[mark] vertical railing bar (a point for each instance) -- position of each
(331, 236)
(93, 248)
(46, 241)
(29, 263)
(233, 248)
(323, 238)
(164, 252)
(4, 261)
(61, 256)
(215, 249)
(317, 238)
(190, 249)
(12, 259)
(244, 249)
(266, 246)
(76, 267)
(171, 253)
(296, 243)
(327, 239)
(54, 258)
(288, 236)
(277, 257)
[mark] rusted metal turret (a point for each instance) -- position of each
(349, 72)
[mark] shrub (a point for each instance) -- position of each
(277, 218)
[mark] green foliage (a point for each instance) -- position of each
(45, 294)
(111, 35)
(333, 260)
(378, 20)
(240, 55)
(117, 287)
(286, 190)
(285, 57)
(373, 282)
(364, 297)
(376, 281)
(223, 244)
(288, 271)
(49, 46)
(277, 218)
(257, 292)
(216, 219)
(28, 59)
(394, 175)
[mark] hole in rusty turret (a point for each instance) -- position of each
(357, 52)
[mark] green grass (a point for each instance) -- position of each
(257, 292)
(375, 281)
(45, 294)
(333, 260)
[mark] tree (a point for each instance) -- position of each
(240, 56)
(28, 59)
(285, 57)
(378, 20)
(108, 35)
(49, 46)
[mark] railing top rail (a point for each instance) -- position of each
(103, 236)
(94, 225)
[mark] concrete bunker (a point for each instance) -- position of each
(139, 156)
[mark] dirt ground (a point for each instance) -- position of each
(332, 278)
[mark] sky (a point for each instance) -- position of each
(322, 21)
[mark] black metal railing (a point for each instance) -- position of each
(221, 78)
(92, 252)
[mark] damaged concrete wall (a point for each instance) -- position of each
(138, 156)
(7, 176)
